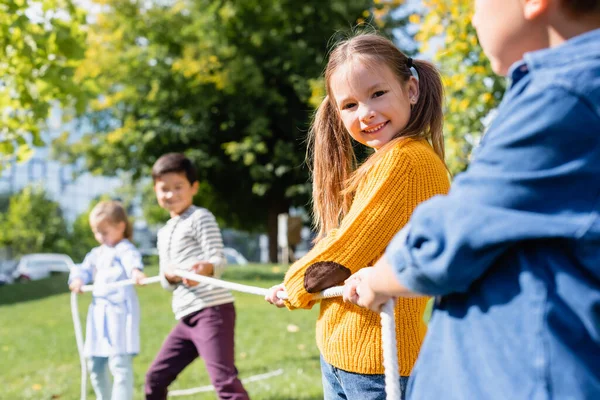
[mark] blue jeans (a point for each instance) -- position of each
(121, 368)
(339, 384)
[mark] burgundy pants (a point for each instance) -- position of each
(208, 334)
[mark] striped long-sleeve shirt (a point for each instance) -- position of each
(187, 238)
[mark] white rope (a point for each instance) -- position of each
(125, 282)
(327, 293)
(224, 284)
(390, 355)
(335, 291)
(79, 341)
(388, 333)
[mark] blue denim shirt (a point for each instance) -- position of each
(513, 251)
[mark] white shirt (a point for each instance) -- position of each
(113, 317)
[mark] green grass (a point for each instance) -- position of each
(38, 355)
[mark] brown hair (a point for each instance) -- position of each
(174, 162)
(580, 7)
(113, 212)
(334, 164)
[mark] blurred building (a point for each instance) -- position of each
(74, 195)
(58, 180)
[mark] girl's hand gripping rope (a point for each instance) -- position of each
(76, 285)
(272, 298)
(138, 276)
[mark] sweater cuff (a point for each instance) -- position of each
(298, 297)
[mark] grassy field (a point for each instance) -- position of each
(38, 355)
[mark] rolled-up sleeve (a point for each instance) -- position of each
(533, 178)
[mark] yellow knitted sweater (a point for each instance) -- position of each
(349, 337)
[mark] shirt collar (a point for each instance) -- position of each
(124, 240)
(580, 47)
(188, 211)
(584, 46)
(517, 71)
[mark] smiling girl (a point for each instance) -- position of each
(373, 98)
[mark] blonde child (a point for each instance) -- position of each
(112, 331)
(373, 98)
(513, 251)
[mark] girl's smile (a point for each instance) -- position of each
(375, 128)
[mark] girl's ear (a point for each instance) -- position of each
(412, 86)
(534, 8)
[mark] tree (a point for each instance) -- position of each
(34, 223)
(41, 45)
(472, 89)
(230, 87)
(4, 202)
(153, 213)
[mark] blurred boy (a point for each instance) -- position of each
(192, 239)
(513, 252)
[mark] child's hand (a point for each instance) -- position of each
(138, 276)
(350, 285)
(358, 290)
(272, 298)
(170, 276)
(204, 268)
(76, 285)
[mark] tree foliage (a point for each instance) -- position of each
(472, 89)
(33, 223)
(230, 87)
(82, 237)
(42, 43)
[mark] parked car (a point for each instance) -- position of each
(7, 269)
(39, 266)
(234, 257)
(5, 279)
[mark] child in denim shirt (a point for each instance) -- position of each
(513, 251)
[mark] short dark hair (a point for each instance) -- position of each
(582, 6)
(174, 162)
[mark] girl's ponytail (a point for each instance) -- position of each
(332, 161)
(427, 116)
(128, 233)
